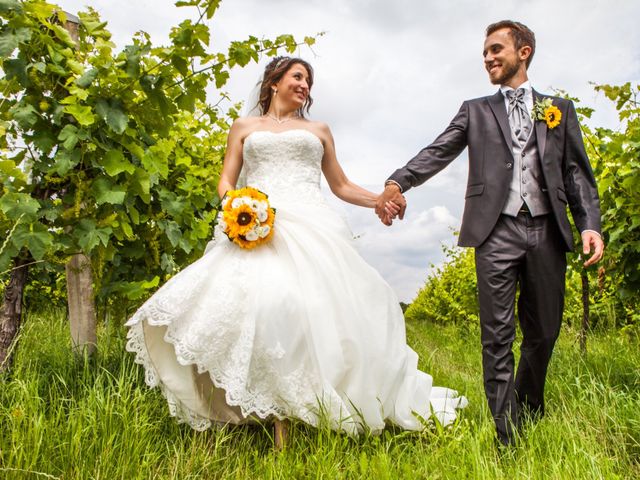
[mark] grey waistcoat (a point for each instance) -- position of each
(527, 183)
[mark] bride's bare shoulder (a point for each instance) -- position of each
(243, 126)
(321, 129)
(243, 123)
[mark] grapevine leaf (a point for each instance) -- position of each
(89, 236)
(25, 114)
(8, 43)
(81, 113)
(87, 78)
(173, 233)
(106, 192)
(115, 163)
(111, 112)
(8, 5)
(65, 161)
(35, 237)
(69, 136)
(15, 205)
(17, 68)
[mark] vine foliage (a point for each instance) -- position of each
(112, 154)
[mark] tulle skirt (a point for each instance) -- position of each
(301, 327)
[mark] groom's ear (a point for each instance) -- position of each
(524, 53)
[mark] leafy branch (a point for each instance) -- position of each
(123, 149)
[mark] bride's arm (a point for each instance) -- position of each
(340, 185)
(232, 159)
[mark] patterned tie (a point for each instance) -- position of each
(519, 119)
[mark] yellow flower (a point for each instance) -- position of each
(545, 110)
(240, 217)
(250, 192)
(240, 220)
(552, 115)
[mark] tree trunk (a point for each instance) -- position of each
(82, 311)
(585, 312)
(11, 311)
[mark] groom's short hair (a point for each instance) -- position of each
(521, 34)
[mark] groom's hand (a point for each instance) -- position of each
(592, 241)
(390, 203)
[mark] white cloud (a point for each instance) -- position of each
(403, 253)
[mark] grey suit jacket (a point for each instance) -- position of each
(482, 125)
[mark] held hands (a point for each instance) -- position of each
(390, 204)
(592, 239)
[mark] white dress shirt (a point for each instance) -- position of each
(528, 95)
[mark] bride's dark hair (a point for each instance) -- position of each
(273, 72)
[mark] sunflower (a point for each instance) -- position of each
(240, 220)
(552, 115)
(246, 217)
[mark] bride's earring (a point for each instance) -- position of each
(275, 91)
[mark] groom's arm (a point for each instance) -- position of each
(579, 181)
(433, 158)
(581, 190)
(429, 161)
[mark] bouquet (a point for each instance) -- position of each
(246, 217)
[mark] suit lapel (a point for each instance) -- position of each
(541, 128)
(496, 102)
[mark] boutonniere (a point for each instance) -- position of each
(545, 110)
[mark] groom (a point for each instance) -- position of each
(523, 173)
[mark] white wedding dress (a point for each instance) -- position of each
(301, 327)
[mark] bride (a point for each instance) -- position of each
(300, 327)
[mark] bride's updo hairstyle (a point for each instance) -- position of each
(273, 72)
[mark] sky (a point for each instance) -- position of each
(390, 75)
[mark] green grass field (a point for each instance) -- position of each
(63, 418)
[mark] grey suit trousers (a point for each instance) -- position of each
(529, 252)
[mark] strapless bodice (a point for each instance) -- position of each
(284, 165)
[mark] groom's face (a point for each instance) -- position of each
(501, 59)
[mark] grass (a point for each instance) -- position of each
(67, 418)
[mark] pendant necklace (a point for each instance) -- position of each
(283, 120)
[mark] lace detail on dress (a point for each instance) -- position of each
(284, 165)
(220, 339)
(135, 344)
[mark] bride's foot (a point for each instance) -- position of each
(280, 434)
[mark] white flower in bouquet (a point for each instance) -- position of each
(238, 202)
(264, 231)
(252, 235)
(262, 214)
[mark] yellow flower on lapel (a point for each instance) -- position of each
(546, 111)
(552, 115)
